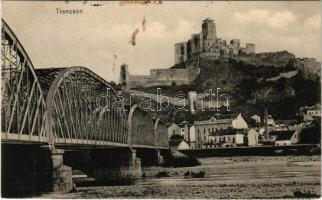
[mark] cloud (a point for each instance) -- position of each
(314, 23)
(266, 18)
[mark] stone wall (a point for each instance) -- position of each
(310, 68)
(164, 77)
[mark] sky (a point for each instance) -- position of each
(101, 37)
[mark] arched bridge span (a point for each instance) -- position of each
(22, 102)
(65, 106)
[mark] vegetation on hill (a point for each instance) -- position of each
(248, 82)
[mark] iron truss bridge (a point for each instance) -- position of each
(61, 106)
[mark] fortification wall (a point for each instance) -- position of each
(310, 68)
(164, 77)
(170, 74)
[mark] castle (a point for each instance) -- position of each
(208, 45)
(203, 45)
(158, 77)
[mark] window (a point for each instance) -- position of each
(233, 140)
(204, 130)
(228, 139)
(212, 129)
(174, 132)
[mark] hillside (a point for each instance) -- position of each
(276, 80)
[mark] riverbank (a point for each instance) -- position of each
(225, 177)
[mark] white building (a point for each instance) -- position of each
(174, 129)
(256, 118)
(283, 138)
(225, 138)
(210, 125)
(252, 137)
(179, 144)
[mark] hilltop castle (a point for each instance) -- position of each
(208, 45)
(203, 45)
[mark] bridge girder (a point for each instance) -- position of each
(23, 104)
(74, 115)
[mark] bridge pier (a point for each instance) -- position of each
(159, 157)
(107, 166)
(114, 166)
(150, 157)
(61, 174)
(28, 170)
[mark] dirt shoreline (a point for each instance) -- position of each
(237, 177)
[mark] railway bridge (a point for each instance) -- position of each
(54, 120)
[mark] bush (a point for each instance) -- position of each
(178, 159)
(190, 174)
(163, 174)
(305, 194)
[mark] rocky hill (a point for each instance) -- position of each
(275, 80)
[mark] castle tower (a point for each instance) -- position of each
(181, 53)
(124, 76)
(208, 33)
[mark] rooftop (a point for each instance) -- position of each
(282, 135)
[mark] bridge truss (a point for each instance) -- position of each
(66, 106)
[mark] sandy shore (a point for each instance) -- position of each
(233, 177)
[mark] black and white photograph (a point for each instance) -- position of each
(153, 99)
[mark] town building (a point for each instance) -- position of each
(252, 137)
(207, 126)
(178, 144)
(224, 138)
(283, 138)
(309, 113)
(174, 129)
(256, 118)
(183, 131)
(270, 120)
(192, 137)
